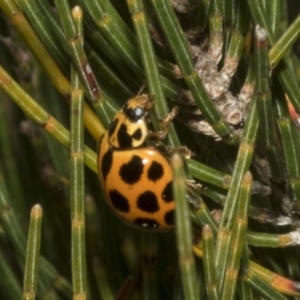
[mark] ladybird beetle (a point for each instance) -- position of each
(136, 177)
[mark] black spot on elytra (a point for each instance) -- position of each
(132, 171)
(137, 134)
(155, 171)
(170, 217)
(106, 163)
(147, 202)
(124, 139)
(167, 193)
(119, 201)
(134, 114)
(146, 223)
(112, 127)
